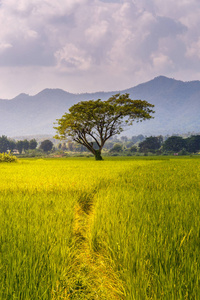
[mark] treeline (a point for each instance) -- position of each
(136, 145)
(23, 146)
(162, 145)
(11, 145)
(141, 144)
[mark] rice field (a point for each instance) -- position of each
(115, 229)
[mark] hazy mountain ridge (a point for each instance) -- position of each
(176, 103)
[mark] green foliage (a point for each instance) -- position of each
(7, 157)
(151, 144)
(4, 143)
(20, 145)
(12, 145)
(46, 145)
(25, 145)
(174, 143)
(138, 138)
(193, 143)
(32, 144)
(95, 121)
(133, 149)
(117, 148)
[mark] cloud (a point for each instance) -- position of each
(98, 44)
(4, 47)
(70, 57)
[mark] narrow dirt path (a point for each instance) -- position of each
(93, 275)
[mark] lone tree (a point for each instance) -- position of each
(91, 123)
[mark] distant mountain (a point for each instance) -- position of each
(177, 106)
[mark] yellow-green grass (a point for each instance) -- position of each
(149, 224)
(144, 226)
(37, 202)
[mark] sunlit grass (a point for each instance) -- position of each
(145, 224)
(149, 224)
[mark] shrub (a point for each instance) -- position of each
(7, 157)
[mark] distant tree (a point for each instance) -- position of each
(151, 144)
(80, 148)
(4, 144)
(12, 145)
(193, 143)
(46, 145)
(70, 146)
(174, 143)
(124, 139)
(25, 145)
(117, 148)
(129, 144)
(109, 145)
(33, 144)
(64, 146)
(138, 138)
(20, 146)
(90, 122)
(133, 149)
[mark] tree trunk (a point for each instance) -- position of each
(98, 155)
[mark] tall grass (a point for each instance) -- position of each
(145, 224)
(148, 223)
(37, 202)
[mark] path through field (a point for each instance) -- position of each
(93, 275)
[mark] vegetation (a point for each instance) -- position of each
(46, 145)
(151, 144)
(116, 146)
(76, 229)
(92, 123)
(7, 157)
(4, 144)
(175, 143)
(21, 145)
(33, 144)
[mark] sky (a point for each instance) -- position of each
(96, 45)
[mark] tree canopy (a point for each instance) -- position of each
(4, 143)
(32, 144)
(151, 143)
(174, 143)
(91, 123)
(46, 145)
(193, 143)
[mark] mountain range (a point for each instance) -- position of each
(177, 108)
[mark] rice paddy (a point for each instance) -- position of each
(118, 229)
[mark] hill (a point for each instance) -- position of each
(176, 104)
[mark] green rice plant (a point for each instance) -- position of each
(148, 222)
(38, 253)
(35, 244)
(138, 217)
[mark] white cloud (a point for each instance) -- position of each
(97, 44)
(4, 47)
(193, 50)
(161, 62)
(96, 33)
(70, 57)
